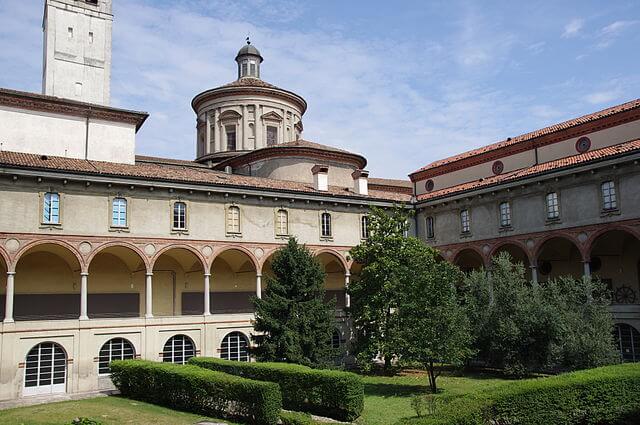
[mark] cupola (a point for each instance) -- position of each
(249, 60)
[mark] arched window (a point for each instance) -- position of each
(233, 219)
(325, 220)
(51, 208)
(114, 349)
(45, 369)
(179, 216)
(335, 339)
(119, 212)
(282, 223)
(178, 349)
(627, 340)
(364, 227)
(235, 346)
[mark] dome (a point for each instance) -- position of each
(249, 49)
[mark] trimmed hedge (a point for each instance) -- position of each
(331, 393)
(606, 395)
(198, 390)
(296, 418)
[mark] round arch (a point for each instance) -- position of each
(235, 346)
(118, 244)
(27, 249)
(541, 243)
(512, 247)
(247, 252)
(559, 255)
(333, 253)
(4, 259)
(609, 228)
(234, 281)
(468, 259)
(176, 247)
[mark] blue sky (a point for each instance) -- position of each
(404, 82)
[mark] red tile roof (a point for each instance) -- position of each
(158, 169)
(596, 155)
(628, 106)
(391, 185)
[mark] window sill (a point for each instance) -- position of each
(609, 213)
(465, 235)
(283, 237)
(552, 221)
(52, 226)
(179, 231)
(505, 229)
(117, 229)
(234, 235)
(326, 239)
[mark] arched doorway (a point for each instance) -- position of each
(558, 257)
(469, 260)
(335, 278)
(178, 283)
(47, 284)
(116, 283)
(45, 370)
(517, 254)
(233, 282)
(615, 259)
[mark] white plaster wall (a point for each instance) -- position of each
(299, 169)
(112, 142)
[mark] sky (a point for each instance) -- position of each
(404, 83)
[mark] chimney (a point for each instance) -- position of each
(320, 177)
(360, 182)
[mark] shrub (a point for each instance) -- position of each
(296, 418)
(198, 390)
(606, 395)
(336, 394)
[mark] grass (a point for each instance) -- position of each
(107, 410)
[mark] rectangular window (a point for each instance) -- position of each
(465, 224)
(326, 225)
(119, 212)
(505, 214)
(244, 69)
(78, 89)
(431, 231)
(252, 68)
(282, 223)
(51, 208)
(90, 38)
(272, 135)
(553, 207)
(233, 220)
(609, 199)
(180, 216)
(70, 32)
(364, 227)
(231, 137)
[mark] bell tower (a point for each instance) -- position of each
(77, 50)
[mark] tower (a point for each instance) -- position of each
(249, 60)
(77, 50)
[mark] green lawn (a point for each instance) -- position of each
(107, 410)
(387, 400)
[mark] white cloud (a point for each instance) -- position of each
(572, 28)
(611, 32)
(600, 97)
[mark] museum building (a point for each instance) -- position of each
(105, 254)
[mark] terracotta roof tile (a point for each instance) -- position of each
(251, 82)
(534, 134)
(154, 169)
(558, 164)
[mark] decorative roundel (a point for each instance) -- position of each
(429, 185)
(583, 144)
(498, 167)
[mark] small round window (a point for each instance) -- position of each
(429, 185)
(583, 144)
(498, 167)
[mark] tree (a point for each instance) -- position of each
(296, 321)
(432, 325)
(374, 292)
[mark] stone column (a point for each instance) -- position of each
(216, 131)
(207, 137)
(148, 292)
(534, 274)
(207, 294)
(8, 308)
(258, 126)
(587, 268)
(347, 297)
(240, 142)
(84, 278)
(259, 285)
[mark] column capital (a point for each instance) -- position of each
(11, 273)
(207, 275)
(84, 274)
(347, 274)
(149, 274)
(258, 274)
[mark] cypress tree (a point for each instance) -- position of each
(295, 320)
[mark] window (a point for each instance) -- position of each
(609, 200)
(272, 135)
(364, 227)
(231, 137)
(51, 208)
(325, 221)
(119, 212)
(505, 214)
(252, 68)
(45, 369)
(233, 219)
(90, 37)
(70, 32)
(431, 231)
(235, 346)
(180, 216)
(553, 207)
(178, 349)
(465, 224)
(627, 340)
(244, 69)
(335, 339)
(282, 223)
(114, 349)
(78, 89)
(405, 229)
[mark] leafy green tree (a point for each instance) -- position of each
(432, 325)
(296, 321)
(374, 292)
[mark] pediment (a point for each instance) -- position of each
(229, 115)
(274, 116)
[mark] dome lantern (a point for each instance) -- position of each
(249, 60)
